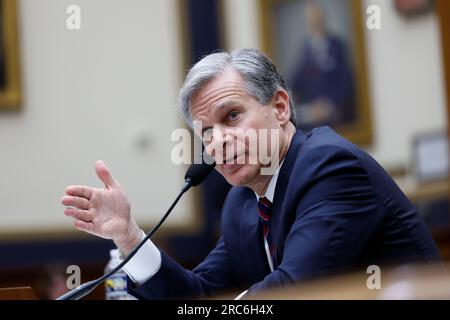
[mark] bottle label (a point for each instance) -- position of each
(116, 286)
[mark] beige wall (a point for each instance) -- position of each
(92, 94)
(95, 93)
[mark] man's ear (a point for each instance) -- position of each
(280, 103)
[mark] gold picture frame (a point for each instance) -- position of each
(10, 91)
(443, 14)
(282, 31)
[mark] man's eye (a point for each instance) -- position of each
(233, 115)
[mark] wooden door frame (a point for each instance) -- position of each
(443, 12)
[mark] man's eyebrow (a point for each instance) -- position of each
(227, 104)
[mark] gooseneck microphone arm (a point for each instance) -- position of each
(194, 176)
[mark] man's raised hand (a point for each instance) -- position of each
(104, 212)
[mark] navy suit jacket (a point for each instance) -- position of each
(335, 209)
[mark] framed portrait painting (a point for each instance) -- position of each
(319, 47)
(10, 94)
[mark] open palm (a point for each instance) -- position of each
(104, 212)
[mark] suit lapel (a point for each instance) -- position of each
(278, 218)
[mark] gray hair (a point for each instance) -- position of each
(260, 74)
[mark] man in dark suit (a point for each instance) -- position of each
(310, 205)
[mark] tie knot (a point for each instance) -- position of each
(264, 208)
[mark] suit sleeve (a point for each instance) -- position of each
(214, 274)
(335, 213)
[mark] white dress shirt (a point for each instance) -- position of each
(147, 261)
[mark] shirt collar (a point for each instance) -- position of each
(270, 192)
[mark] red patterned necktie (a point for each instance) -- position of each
(265, 211)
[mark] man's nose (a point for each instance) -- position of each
(219, 141)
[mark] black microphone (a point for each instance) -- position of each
(194, 176)
(197, 173)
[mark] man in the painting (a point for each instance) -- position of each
(323, 85)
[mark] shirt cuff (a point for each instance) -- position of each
(145, 263)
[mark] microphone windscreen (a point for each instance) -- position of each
(198, 172)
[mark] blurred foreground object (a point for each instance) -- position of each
(400, 283)
(20, 293)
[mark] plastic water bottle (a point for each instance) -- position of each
(116, 284)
